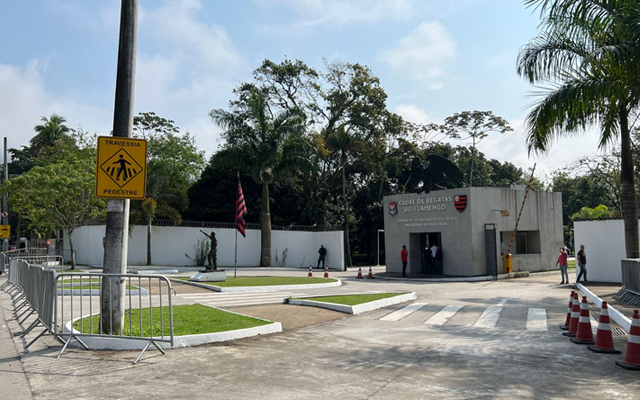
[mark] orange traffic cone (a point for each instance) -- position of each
(326, 272)
(584, 334)
(370, 276)
(632, 357)
(604, 339)
(575, 317)
(310, 272)
(568, 320)
(359, 274)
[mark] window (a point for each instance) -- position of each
(527, 242)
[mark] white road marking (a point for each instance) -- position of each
(489, 318)
(403, 312)
(537, 319)
(502, 303)
(443, 316)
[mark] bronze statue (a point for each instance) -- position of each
(212, 257)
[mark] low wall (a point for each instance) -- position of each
(169, 244)
(604, 245)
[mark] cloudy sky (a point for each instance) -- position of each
(433, 57)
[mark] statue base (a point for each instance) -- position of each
(210, 276)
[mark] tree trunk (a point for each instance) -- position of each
(629, 204)
(265, 227)
(347, 247)
(473, 153)
(149, 241)
(73, 253)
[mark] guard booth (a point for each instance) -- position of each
(472, 226)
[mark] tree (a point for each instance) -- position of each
(174, 162)
(474, 125)
(58, 195)
(588, 51)
(343, 143)
(586, 213)
(51, 131)
(265, 148)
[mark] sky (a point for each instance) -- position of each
(434, 58)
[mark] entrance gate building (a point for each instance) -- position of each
(462, 222)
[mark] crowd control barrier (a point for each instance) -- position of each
(68, 306)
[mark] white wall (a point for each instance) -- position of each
(169, 245)
(604, 245)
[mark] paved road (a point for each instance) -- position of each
(496, 340)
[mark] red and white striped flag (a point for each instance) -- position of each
(241, 211)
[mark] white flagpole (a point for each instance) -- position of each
(235, 264)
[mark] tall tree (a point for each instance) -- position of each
(474, 125)
(174, 162)
(588, 52)
(265, 148)
(51, 131)
(344, 143)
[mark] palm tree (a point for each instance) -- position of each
(266, 148)
(343, 143)
(588, 52)
(51, 131)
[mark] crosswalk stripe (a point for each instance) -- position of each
(443, 316)
(489, 318)
(403, 312)
(537, 319)
(502, 303)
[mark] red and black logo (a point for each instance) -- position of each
(393, 208)
(460, 202)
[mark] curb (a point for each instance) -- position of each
(106, 343)
(614, 314)
(358, 308)
(277, 288)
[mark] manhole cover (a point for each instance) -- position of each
(618, 331)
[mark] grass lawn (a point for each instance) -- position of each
(266, 281)
(354, 299)
(92, 287)
(187, 320)
(571, 264)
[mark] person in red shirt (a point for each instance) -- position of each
(403, 256)
(562, 260)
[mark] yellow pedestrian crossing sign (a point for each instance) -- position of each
(121, 169)
(5, 231)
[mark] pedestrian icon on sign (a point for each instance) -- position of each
(121, 168)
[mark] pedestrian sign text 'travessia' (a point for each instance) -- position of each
(121, 170)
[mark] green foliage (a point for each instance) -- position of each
(201, 248)
(57, 195)
(586, 213)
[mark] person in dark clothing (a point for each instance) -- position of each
(323, 254)
(404, 256)
(582, 263)
(428, 257)
(438, 260)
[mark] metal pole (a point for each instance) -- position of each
(117, 235)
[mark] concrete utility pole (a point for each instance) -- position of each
(5, 204)
(117, 231)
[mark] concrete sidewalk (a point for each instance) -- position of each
(15, 385)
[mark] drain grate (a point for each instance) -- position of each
(618, 331)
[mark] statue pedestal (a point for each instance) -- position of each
(210, 276)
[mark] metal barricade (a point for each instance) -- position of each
(147, 307)
(630, 291)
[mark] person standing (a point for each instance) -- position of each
(582, 263)
(562, 260)
(323, 254)
(438, 260)
(404, 255)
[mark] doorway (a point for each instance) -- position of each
(430, 259)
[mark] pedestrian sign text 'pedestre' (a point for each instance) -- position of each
(121, 170)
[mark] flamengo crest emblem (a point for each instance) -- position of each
(460, 202)
(393, 208)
